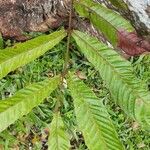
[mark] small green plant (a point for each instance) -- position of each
(129, 92)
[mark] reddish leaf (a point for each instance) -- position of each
(131, 44)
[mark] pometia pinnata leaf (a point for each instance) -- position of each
(131, 43)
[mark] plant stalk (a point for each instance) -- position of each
(65, 69)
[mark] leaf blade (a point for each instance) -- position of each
(20, 104)
(58, 139)
(93, 118)
(23, 53)
(104, 19)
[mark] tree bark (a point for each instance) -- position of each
(140, 12)
(19, 16)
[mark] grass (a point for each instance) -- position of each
(31, 131)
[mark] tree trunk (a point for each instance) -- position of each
(140, 12)
(18, 16)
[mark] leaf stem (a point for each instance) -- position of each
(65, 69)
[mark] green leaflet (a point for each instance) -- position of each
(93, 118)
(24, 101)
(58, 139)
(23, 53)
(107, 21)
(130, 93)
